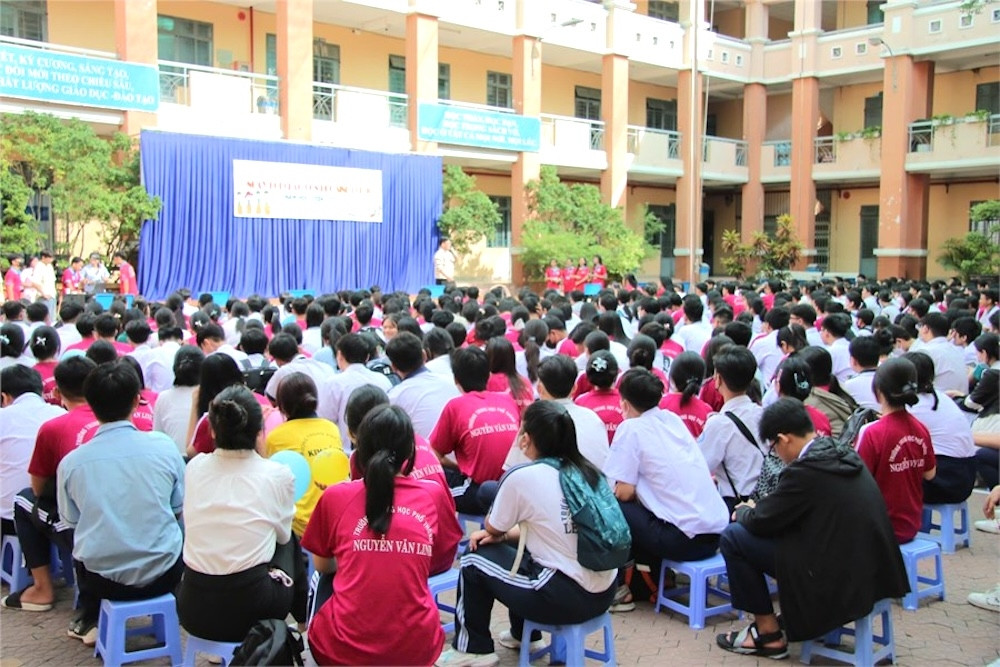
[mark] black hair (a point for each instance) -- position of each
(793, 335)
(602, 369)
(837, 324)
(438, 343)
(283, 347)
(786, 415)
(896, 382)
(360, 403)
(865, 350)
(405, 352)
(36, 312)
(106, 326)
(990, 344)
(795, 378)
(457, 333)
(253, 340)
(597, 341)
(610, 323)
(967, 326)
(19, 379)
(554, 435)
(138, 331)
(187, 366)
(471, 367)
(641, 388)
(218, 371)
(111, 391)
(531, 339)
(70, 374)
(353, 348)
(694, 309)
(739, 333)
(385, 448)
(804, 312)
(134, 363)
(44, 343)
(687, 372)
(558, 375)
(297, 396)
(736, 366)
(642, 352)
(11, 340)
(937, 323)
(777, 318)
(101, 352)
(236, 418)
(500, 353)
(925, 373)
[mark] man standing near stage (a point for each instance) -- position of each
(444, 263)
(126, 275)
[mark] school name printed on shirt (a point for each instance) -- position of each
(492, 412)
(399, 510)
(906, 463)
(393, 546)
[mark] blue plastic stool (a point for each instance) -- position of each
(478, 519)
(112, 632)
(195, 645)
(700, 572)
(914, 552)
(865, 653)
(442, 583)
(949, 533)
(568, 642)
(14, 572)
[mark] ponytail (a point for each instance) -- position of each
(385, 449)
(686, 373)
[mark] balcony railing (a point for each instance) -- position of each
(739, 149)
(825, 150)
(782, 152)
(923, 133)
(655, 144)
(196, 85)
(574, 134)
(58, 48)
(338, 103)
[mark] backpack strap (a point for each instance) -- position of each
(745, 431)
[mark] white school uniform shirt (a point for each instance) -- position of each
(336, 390)
(591, 438)
(656, 453)
(813, 337)
(841, 356)
(722, 442)
(950, 430)
(984, 319)
(767, 353)
(317, 370)
(860, 389)
(19, 424)
(693, 336)
(950, 372)
(423, 395)
(159, 372)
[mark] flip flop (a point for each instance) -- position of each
(14, 601)
(733, 642)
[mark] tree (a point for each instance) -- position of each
(571, 221)
(88, 179)
(975, 254)
(773, 256)
(469, 215)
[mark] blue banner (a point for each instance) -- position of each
(478, 127)
(68, 79)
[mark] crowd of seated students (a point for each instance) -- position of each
(721, 409)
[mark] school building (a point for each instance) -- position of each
(875, 125)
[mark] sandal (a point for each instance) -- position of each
(623, 601)
(14, 601)
(733, 642)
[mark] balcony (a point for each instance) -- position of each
(726, 57)
(574, 24)
(209, 100)
(848, 157)
(849, 51)
(778, 62)
(724, 160)
(968, 145)
(946, 27)
(360, 118)
(648, 40)
(776, 162)
(489, 15)
(654, 151)
(573, 142)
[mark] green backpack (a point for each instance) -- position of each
(604, 541)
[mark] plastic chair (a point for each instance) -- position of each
(105, 300)
(568, 642)
(442, 583)
(437, 291)
(112, 632)
(14, 572)
(592, 289)
(949, 535)
(914, 552)
(864, 653)
(698, 591)
(195, 645)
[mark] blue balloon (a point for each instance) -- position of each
(300, 469)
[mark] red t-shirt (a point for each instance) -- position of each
(608, 406)
(568, 347)
(671, 349)
(126, 279)
(47, 369)
(203, 441)
(553, 277)
(83, 345)
(694, 414)
(569, 279)
(499, 382)
(12, 285)
(143, 415)
(711, 395)
(582, 276)
(897, 450)
(71, 281)
(479, 427)
(121, 348)
(58, 437)
(820, 421)
(392, 569)
(601, 274)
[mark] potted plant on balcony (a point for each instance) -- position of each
(844, 136)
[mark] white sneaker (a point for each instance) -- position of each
(988, 526)
(507, 640)
(455, 658)
(989, 600)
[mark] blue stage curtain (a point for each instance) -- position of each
(198, 243)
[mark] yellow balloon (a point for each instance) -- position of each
(330, 467)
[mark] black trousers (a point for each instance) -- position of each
(748, 559)
(38, 530)
(94, 588)
(988, 465)
(465, 492)
(654, 538)
(953, 482)
(541, 594)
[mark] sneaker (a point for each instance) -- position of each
(455, 658)
(988, 526)
(990, 600)
(507, 640)
(84, 630)
(619, 604)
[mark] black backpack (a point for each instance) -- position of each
(256, 378)
(852, 427)
(269, 642)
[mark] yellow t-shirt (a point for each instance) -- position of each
(312, 438)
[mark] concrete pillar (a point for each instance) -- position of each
(902, 237)
(754, 130)
(295, 68)
(690, 124)
(135, 22)
(421, 72)
(614, 109)
(527, 80)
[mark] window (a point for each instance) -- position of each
(665, 11)
(397, 74)
(498, 90)
(326, 62)
(184, 41)
(24, 20)
(873, 111)
(501, 233)
(587, 103)
(875, 11)
(444, 81)
(661, 114)
(988, 97)
(666, 239)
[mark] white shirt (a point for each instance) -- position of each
(951, 433)
(722, 442)
(172, 413)
(68, 335)
(656, 453)
(143, 354)
(590, 437)
(312, 340)
(159, 371)
(423, 396)
(532, 496)
(693, 336)
(19, 424)
(45, 275)
(813, 337)
(317, 370)
(444, 264)
(620, 353)
(441, 366)
(860, 389)
(950, 372)
(237, 507)
(767, 353)
(985, 318)
(336, 390)
(239, 356)
(840, 354)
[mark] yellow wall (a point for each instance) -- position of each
(637, 94)
(777, 29)
(639, 196)
(558, 88)
(948, 216)
(87, 25)
(955, 92)
(229, 33)
(845, 227)
(730, 22)
(779, 117)
(849, 106)
(728, 118)
(852, 14)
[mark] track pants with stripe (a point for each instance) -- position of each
(542, 594)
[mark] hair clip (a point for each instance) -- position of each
(4, 339)
(41, 340)
(599, 364)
